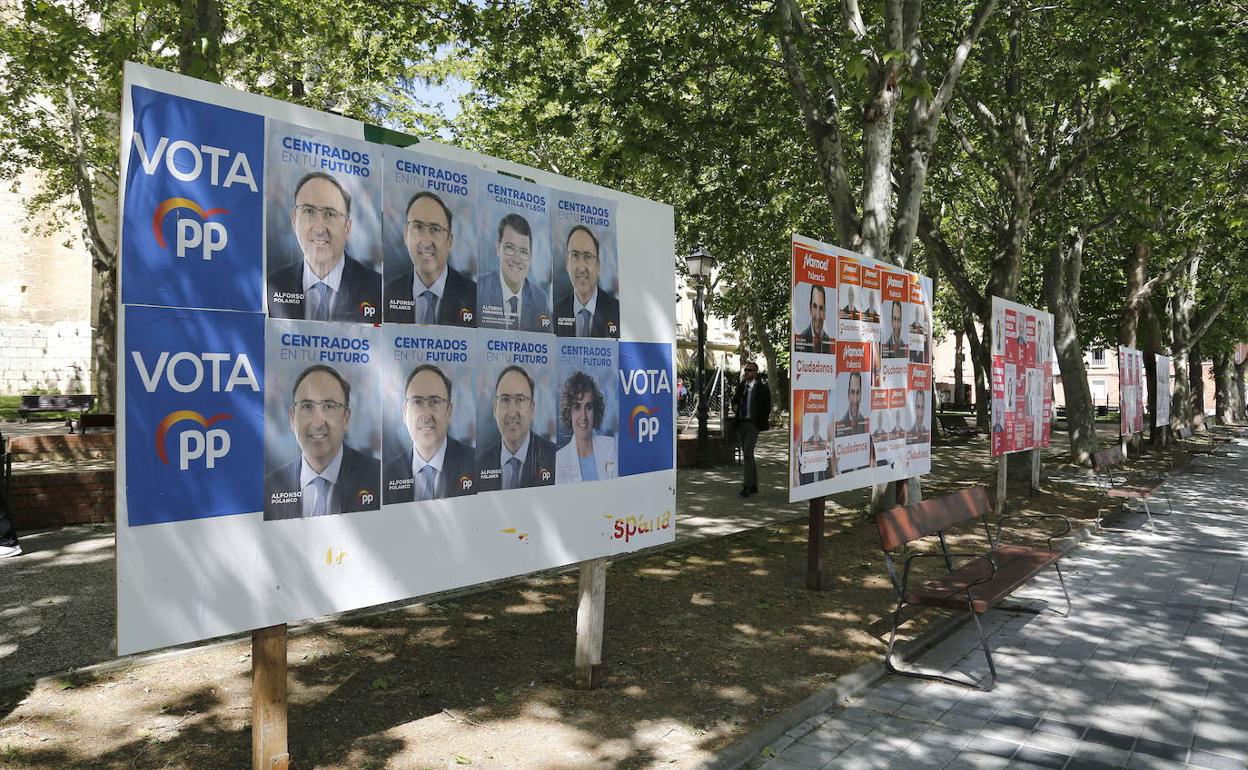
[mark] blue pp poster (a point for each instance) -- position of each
(193, 206)
(194, 414)
(647, 423)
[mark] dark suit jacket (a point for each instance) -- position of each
(358, 476)
(538, 469)
(895, 348)
(459, 295)
(806, 342)
(606, 321)
(760, 410)
(458, 463)
(357, 295)
(534, 306)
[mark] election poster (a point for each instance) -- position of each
(322, 420)
(1163, 390)
(1022, 377)
(862, 382)
(429, 418)
(430, 240)
(322, 226)
(588, 415)
(313, 414)
(516, 410)
(1130, 390)
(585, 266)
(513, 255)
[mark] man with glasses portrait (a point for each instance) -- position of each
(326, 284)
(431, 292)
(435, 466)
(520, 458)
(588, 310)
(327, 476)
(508, 299)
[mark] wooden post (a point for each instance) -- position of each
(268, 699)
(999, 506)
(1035, 469)
(589, 620)
(814, 546)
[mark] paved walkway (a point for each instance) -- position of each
(1150, 670)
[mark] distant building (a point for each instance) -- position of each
(722, 340)
(47, 299)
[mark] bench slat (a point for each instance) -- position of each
(1016, 565)
(903, 524)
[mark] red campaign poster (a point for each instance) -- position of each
(812, 434)
(814, 297)
(999, 443)
(1021, 377)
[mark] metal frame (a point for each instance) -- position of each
(900, 585)
(1108, 473)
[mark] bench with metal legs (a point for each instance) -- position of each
(1121, 488)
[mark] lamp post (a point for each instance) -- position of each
(700, 264)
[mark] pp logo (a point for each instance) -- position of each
(465, 483)
(643, 424)
(466, 315)
(613, 329)
(366, 497)
(209, 445)
(191, 234)
(544, 321)
(368, 311)
(545, 474)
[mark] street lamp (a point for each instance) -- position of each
(700, 264)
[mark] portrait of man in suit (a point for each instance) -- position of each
(921, 431)
(850, 310)
(435, 466)
(588, 310)
(852, 421)
(430, 291)
(815, 339)
(813, 443)
(323, 283)
(507, 298)
(524, 458)
(895, 345)
(327, 476)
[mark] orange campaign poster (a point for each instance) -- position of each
(1022, 377)
(861, 401)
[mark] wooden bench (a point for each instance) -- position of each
(956, 425)
(98, 421)
(1123, 487)
(43, 404)
(978, 583)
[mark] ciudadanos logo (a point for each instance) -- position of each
(194, 402)
(193, 219)
(646, 437)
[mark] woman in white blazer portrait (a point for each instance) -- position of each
(588, 456)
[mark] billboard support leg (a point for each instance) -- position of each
(589, 620)
(268, 699)
(1035, 470)
(814, 546)
(999, 505)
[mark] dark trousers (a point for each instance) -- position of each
(747, 433)
(8, 535)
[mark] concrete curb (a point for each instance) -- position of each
(749, 747)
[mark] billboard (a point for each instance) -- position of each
(1022, 377)
(342, 380)
(1130, 391)
(1163, 390)
(861, 394)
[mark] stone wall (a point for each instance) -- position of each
(45, 302)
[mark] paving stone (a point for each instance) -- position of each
(806, 755)
(1040, 758)
(1215, 761)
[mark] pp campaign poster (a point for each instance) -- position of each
(514, 255)
(322, 226)
(430, 240)
(588, 410)
(429, 404)
(516, 411)
(322, 444)
(585, 266)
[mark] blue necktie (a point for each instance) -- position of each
(582, 322)
(321, 486)
(511, 474)
(427, 480)
(320, 302)
(512, 320)
(431, 306)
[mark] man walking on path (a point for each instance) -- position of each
(752, 405)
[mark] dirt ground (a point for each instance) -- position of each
(703, 644)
